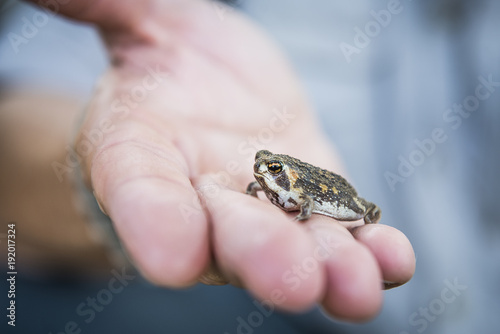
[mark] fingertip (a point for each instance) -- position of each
(392, 249)
(168, 271)
(168, 247)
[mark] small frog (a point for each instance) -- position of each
(294, 185)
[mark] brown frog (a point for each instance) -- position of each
(294, 185)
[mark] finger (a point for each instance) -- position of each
(105, 13)
(142, 184)
(393, 252)
(256, 242)
(353, 278)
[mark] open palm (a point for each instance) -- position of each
(194, 91)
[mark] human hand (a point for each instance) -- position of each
(193, 92)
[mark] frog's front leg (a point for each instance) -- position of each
(306, 208)
(252, 188)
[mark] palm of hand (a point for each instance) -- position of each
(187, 112)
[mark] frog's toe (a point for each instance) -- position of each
(373, 215)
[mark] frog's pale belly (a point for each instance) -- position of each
(291, 201)
(335, 210)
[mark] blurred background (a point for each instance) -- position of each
(417, 83)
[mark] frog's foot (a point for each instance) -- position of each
(252, 188)
(373, 214)
(306, 208)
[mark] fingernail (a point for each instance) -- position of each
(386, 285)
(99, 204)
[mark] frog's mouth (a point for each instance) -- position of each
(259, 177)
(262, 178)
(265, 180)
(265, 183)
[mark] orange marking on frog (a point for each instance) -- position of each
(335, 191)
(293, 176)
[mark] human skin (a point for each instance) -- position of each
(220, 82)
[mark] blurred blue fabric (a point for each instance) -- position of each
(380, 102)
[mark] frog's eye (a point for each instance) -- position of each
(275, 167)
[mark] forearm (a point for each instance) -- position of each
(51, 230)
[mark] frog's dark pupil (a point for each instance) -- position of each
(274, 167)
